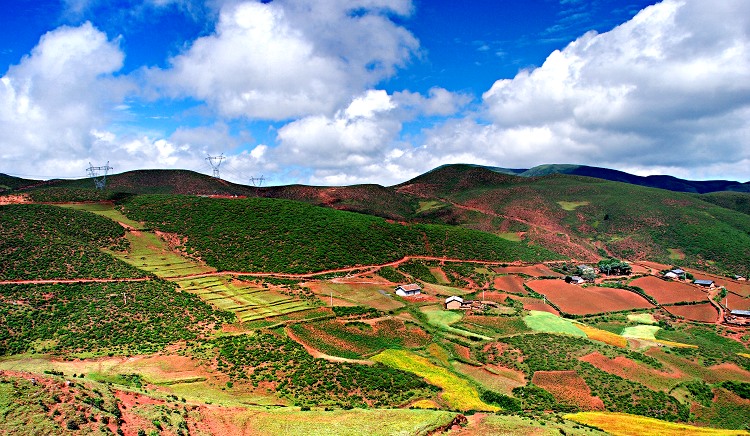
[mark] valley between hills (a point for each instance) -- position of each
(175, 303)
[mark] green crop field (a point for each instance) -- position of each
(106, 210)
(149, 253)
(551, 323)
(457, 392)
(443, 320)
(247, 301)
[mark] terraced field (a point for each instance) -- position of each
(247, 301)
(151, 254)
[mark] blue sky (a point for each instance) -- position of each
(335, 92)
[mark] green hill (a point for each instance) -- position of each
(48, 242)
(257, 234)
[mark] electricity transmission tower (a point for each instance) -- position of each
(257, 181)
(215, 162)
(100, 179)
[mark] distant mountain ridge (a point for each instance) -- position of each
(669, 183)
(138, 180)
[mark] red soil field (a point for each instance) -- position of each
(704, 312)
(578, 300)
(512, 284)
(655, 267)
(538, 270)
(736, 302)
(568, 388)
(632, 370)
(667, 292)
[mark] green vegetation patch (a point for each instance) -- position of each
(551, 352)
(356, 339)
(294, 374)
(443, 320)
(641, 331)
(551, 323)
(642, 318)
(357, 422)
(572, 205)
(106, 210)
(48, 242)
(258, 234)
(247, 301)
(457, 392)
(132, 317)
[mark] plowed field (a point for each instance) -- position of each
(568, 388)
(538, 270)
(578, 300)
(704, 312)
(666, 292)
(512, 284)
(736, 302)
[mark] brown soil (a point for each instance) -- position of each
(578, 300)
(511, 283)
(704, 312)
(538, 270)
(568, 388)
(318, 354)
(668, 292)
(14, 199)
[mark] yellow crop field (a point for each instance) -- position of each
(603, 336)
(623, 424)
(457, 392)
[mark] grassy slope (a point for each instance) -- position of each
(46, 242)
(100, 317)
(630, 221)
(284, 236)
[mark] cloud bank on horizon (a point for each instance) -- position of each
(303, 91)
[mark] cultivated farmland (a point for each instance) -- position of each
(578, 300)
(668, 292)
(704, 312)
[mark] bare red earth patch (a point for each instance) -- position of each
(736, 302)
(667, 292)
(568, 388)
(704, 312)
(512, 284)
(538, 270)
(578, 300)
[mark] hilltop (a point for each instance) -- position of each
(577, 211)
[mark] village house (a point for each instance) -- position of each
(453, 303)
(576, 280)
(704, 283)
(409, 290)
(675, 274)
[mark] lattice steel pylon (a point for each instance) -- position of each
(215, 162)
(257, 181)
(100, 179)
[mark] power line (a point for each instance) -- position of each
(96, 173)
(215, 162)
